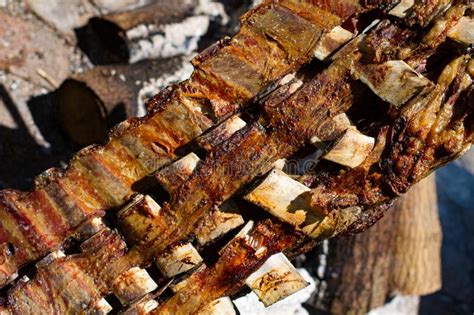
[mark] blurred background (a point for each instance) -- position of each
(71, 69)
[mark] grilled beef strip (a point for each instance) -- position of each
(275, 38)
(261, 143)
(432, 129)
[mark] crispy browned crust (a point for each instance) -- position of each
(227, 76)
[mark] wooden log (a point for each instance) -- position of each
(29, 49)
(416, 267)
(64, 16)
(120, 5)
(160, 29)
(91, 102)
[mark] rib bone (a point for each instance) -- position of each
(102, 307)
(218, 223)
(463, 31)
(351, 149)
(221, 133)
(393, 81)
(400, 10)
(133, 284)
(175, 174)
(179, 259)
(286, 199)
(275, 280)
(331, 41)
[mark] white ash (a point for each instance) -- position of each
(169, 40)
(322, 259)
(154, 85)
(213, 9)
(400, 304)
(174, 39)
(319, 278)
(292, 305)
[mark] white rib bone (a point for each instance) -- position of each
(331, 41)
(179, 259)
(219, 223)
(275, 280)
(90, 228)
(243, 233)
(401, 9)
(102, 307)
(351, 149)
(175, 174)
(283, 197)
(49, 258)
(133, 284)
(463, 31)
(222, 132)
(393, 81)
(340, 123)
(290, 201)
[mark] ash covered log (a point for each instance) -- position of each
(159, 29)
(90, 103)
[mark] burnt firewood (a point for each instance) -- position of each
(91, 102)
(160, 29)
